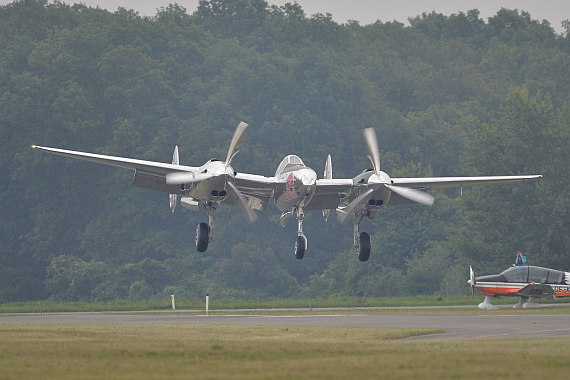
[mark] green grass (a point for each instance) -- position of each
(262, 352)
(124, 305)
(218, 304)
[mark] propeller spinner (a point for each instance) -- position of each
(414, 195)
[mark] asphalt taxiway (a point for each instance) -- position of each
(508, 325)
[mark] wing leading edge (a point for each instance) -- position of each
(120, 162)
(449, 182)
(152, 175)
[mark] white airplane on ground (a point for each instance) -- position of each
(524, 281)
(294, 188)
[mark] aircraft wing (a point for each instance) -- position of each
(329, 192)
(148, 174)
(448, 182)
(536, 290)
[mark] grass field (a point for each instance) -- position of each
(266, 352)
(217, 304)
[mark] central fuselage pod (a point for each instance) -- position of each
(297, 183)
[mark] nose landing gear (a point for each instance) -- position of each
(301, 242)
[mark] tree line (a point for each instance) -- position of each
(447, 95)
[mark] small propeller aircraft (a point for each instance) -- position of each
(209, 185)
(524, 281)
(295, 188)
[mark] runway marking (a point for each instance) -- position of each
(298, 316)
(523, 333)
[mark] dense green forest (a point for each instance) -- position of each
(447, 95)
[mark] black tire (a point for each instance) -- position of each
(300, 245)
(202, 237)
(364, 252)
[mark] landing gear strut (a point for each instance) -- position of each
(361, 240)
(301, 242)
(205, 232)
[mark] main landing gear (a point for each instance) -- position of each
(301, 241)
(205, 231)
(361, 240)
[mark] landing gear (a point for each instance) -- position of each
(205, 231)
(361, 240)
(301, 242)
(525, 303)
(300, 246)
(487, 305)
(364, 251)
(202, 237)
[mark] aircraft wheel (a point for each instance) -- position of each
(202, 238)
(364, 252)
(300, 245)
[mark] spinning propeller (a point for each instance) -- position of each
(380, 177)
(180, 178)
(414, 195)
(471, 279)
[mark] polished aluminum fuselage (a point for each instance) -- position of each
(296, 184)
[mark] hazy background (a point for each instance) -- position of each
(368, 11)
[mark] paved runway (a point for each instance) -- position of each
(478, 326)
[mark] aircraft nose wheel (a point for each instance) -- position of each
(300, 246)
(364, 249)
(202, 237)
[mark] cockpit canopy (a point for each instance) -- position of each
(527, 273)
(289, 163)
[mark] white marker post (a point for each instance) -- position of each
(207, 304)
(173, 303)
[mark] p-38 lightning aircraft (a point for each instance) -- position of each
(524, 281)
(295, 188)
(209, 185)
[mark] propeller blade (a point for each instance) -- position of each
(344, 213)
(471, 279)
(414, 195)
(242, 202)
(372, 145)
(173, 198)
(327, 175)
(179, 178)
(236, 141)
